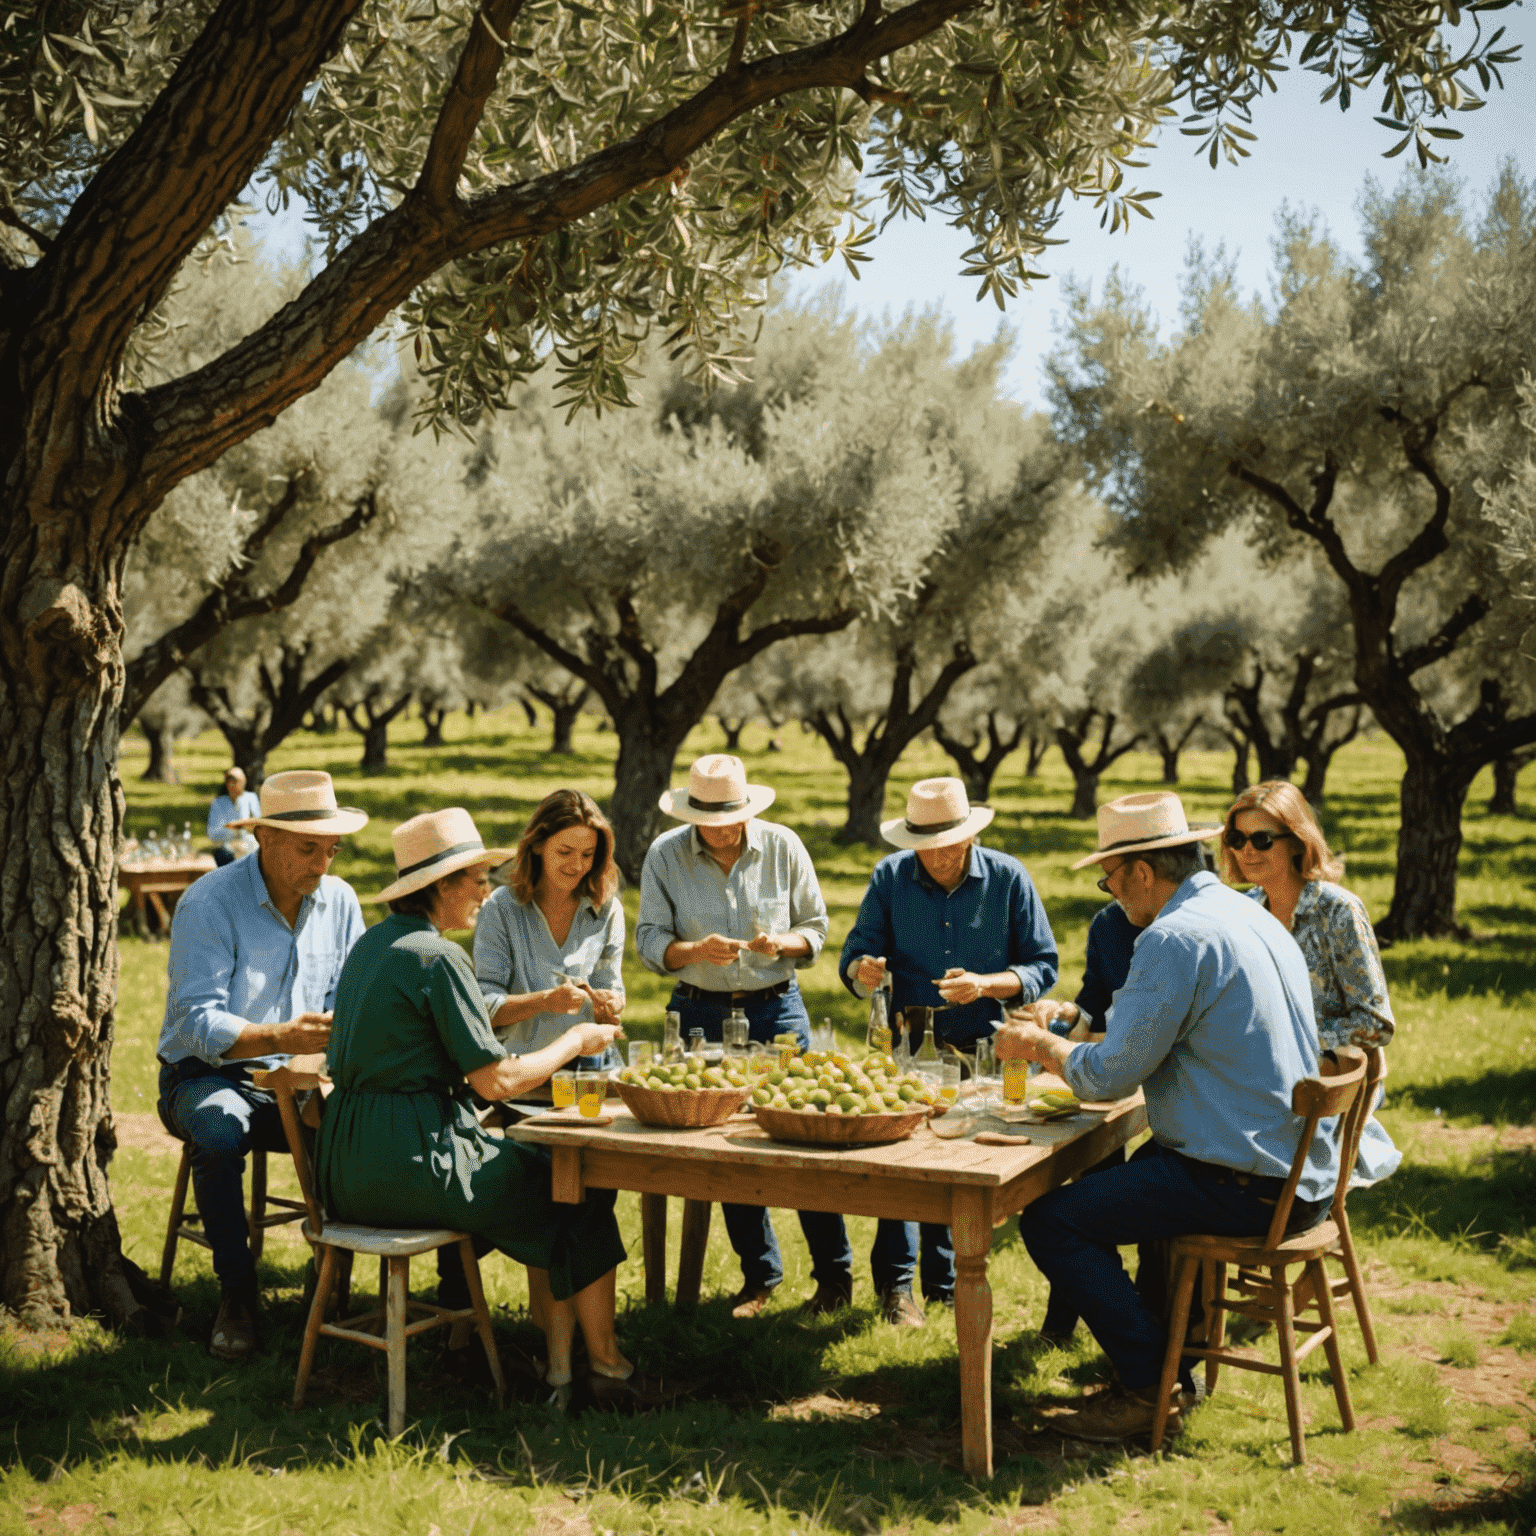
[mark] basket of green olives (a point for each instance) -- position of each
(682, 1093)
(830, 1097)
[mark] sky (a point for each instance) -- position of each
(1309, 156)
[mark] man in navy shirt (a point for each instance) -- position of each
(953, 925)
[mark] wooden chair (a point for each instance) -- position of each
(186, 1226)
(391, 1321)
(1269, 1258)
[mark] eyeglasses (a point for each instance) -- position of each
(1103, 884)
(1262, 841)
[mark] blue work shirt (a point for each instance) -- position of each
(235, 961)
(992, 921)
(1214, 1024)
(224, 810)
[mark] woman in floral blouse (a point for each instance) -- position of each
(1272, 840)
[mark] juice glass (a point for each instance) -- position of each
(642, 1053)
(562, 1088)
(1015, 1080)
(590, 1087)
(949, 1082)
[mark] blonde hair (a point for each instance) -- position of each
(1288, 806)
(555, 813)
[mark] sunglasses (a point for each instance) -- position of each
(1103, 884)
(1262, 841)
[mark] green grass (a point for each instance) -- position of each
(840, 1425)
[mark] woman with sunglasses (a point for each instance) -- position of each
(1273, 842)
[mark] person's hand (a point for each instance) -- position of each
(718, 950)
(957, 986)
(1020, 1039)
(871, 971)
(1044, 1011)
(566, 998)
(607, 1004)
(767, 944)
(594, 1039)
(308, 1033)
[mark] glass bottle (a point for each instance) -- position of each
(186, 839)
(879, 1037)
(672, 1038)
(695, 1042)
(928, 1051)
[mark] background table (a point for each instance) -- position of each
(967, 1187)
(147, 883)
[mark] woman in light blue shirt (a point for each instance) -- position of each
(549, 944)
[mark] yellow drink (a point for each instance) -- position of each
(590, 1105)
(562, 1087)
(949, 1092)
(1015, 1080)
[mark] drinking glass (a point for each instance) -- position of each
(823, 1037)
(949, 1081)
(562, 1088)
(960, 1121)
(590, 1087)
(642, 1053)
(985, 1071)
(1015, 1080)
(734, 1032)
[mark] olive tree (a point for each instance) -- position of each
(521, 180)
(1355, 418)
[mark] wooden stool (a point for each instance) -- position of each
(186, 1226)
(388, 1325)
(1267, 1260)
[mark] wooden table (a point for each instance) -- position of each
(148, 882)
(967, 1187)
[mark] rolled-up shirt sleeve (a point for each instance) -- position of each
(807, 907)
(1143, 1023)
(608, 974)
(201, 969)
(870, 934)
(1030, 938)
(656, 925)
(495, 965)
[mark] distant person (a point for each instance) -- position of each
(730, 908)
(256, 951)
(1272, 841)
(954, 925)
(235, 803)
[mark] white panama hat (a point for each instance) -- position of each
(435, 844)
(1139, 823)
(939, 814)
(718, 794)
(304, 800)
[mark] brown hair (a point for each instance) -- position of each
(555, 813)
(1287, 804)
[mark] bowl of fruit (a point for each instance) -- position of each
(830, 1097)
(682, 1093)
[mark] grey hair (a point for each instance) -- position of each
(1176, 864)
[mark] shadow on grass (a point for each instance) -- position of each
(1473, 1209)
(763, 1422)
(1467, 971)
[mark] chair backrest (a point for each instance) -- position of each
(283, 1083)
(1359, 1112)
(1334, 1091)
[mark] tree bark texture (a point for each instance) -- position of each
(1320, 749)
(977, 772)
(1070, 736)
(1430, 800)
(1506, 775)
(162, 750)
(869, 767)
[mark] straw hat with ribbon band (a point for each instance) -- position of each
(1139, 823)
(938, 815)
(718, 794)
(435, 844)
(304, 800)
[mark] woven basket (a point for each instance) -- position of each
(839, 1130)
(700, 1106)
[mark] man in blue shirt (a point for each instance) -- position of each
(1214, 1023)
(948, 924)
(256, 950)
(236, 803)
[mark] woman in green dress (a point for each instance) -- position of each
(399, 1144)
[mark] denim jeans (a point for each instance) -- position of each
(1073, 1234)
(748, 1226)
(221, 1117)
(1061, 1306)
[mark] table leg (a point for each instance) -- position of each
(690, 1258)
(653, 1239)
(971, 1230)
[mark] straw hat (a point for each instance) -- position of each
(718, 793)
(1136, 823)
(938, 814)
(435, 844)
(304, 800)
